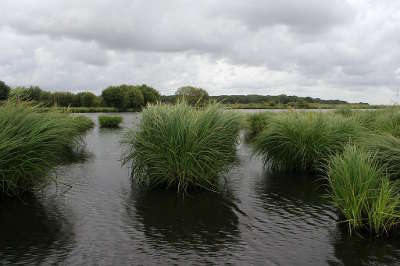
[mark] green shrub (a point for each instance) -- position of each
(362, 192)
(110, 121)
(182, 147)
(33, 143)
(301, 141)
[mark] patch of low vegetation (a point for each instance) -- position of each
(108, 121)
(182, 147)
(32, 143)
(299, 142)
(344, 111)
(365, 197)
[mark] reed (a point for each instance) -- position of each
(386, 148)
(33, 143)
(363, 194)
(182, 147)
(299, 142)
(107, 121)
(257, 122)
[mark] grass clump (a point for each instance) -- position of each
(364, 195)
(380, 121)
(107, 121)
(181, 146)
(33, 143)
(257, 122)
(386, 148)
(299, 142)
(344, 111)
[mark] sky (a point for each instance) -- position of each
(336, 49)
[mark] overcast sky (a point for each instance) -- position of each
(348, 50)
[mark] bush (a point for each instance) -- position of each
(182, 147)
(362, 192)
(301, 141)
(110, 121)
(33, 143)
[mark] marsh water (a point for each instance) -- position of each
(94, 215)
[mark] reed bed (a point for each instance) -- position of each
(182, 147)
(108, 121)
(33, 143)
(386, 148)
(257, 122)
(299, 142)
(380, 121)
(365, 197)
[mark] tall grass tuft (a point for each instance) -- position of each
(387, 150)
(380, 121)
(33, 143)
(182, 147)
(257, 122)
(107, 121)
(299, 142)
(362, 192)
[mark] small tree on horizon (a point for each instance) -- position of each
(4, 91)
(192, 95)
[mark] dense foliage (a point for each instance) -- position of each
(4, 91)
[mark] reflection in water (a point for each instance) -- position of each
(32, 233)
(356, 250)
(200, 221)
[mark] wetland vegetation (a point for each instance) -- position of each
(110, 121)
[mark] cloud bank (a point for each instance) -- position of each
(329, 49)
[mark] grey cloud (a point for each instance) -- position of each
(335, 49)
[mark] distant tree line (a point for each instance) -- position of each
(121, 97)
(136, 96)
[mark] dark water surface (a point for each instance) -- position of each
(95, 216)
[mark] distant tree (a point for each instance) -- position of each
(192, 95)
(4, 91)
(114, 96)
(150, 95)
(46, 98)
(65, 99)
(34, 93)
(86, 99)
(134, 97)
